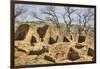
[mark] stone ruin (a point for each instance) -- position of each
(52, 41)
(42, 42)
(73, 55)
(81, 39)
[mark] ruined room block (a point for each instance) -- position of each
(52, 41)
(91, 52)
(65, 39)
(42, 31)
(73, 55)
(81, 39)
(71, 37)
(21, 32)
(33, 40)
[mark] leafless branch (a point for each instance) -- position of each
(19, 11)
(50, 11)
(68, 12)
(85, 18)
(37, 17)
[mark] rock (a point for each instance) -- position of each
(35, 52)
(33, 40)
(73, 55)
(52, 41)
(38, 51)
(61, 54)
(22, 49)
(50, 58)
(79, 46)
(42, 31)
(91, 52)
(81, 39)
(65, 39)
(21, 32)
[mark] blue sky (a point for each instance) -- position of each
(27, 16)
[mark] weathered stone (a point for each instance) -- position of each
(33, 40)
(52, 41)
(35, 52)
(38, 51)
(65, 39)
(21, 32)
(49, 58)
(91, 52)
(81, 39)
(60, 56)
(22, 49)
(73, 55)
(42, 31)
(79, 46)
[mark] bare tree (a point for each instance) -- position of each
(80, 22)
(35, 15)
(67, 16)
(52, 16)
(85, 18)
